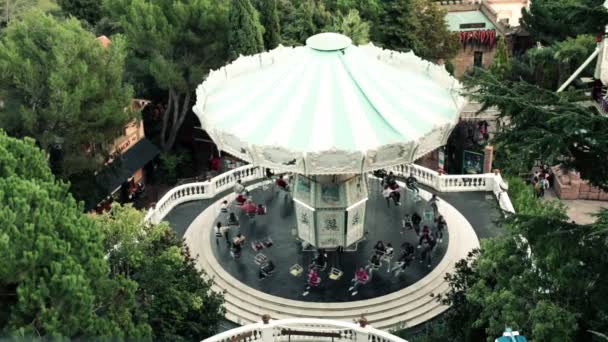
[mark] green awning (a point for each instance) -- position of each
(468, 21)
(122, 168)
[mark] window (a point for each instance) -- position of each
(478, 59)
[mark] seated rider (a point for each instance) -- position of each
(407, 255)
(269, 173)
(406, 222)
(320, 261)
(379, 248)
(375, 261)
(250, 208)
(425, 237)
(261, 210)
(266, 269)
(412, 183)
(361, 277)
(281, 183)
(390, 180)
(389, 250)
(242, 198)
(232, 220)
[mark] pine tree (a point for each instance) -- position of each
(396, 30)
(269, 17)
(301, 26)
(501, 66)
(245, 35)
(353, 26)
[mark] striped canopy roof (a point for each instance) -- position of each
(318, 110)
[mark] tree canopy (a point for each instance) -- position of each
(171, 292)
(543, 277)
(417, 25)
(11, 9)
(65, 274)
(550, 21)
(54, 281)
(63, 88)
(174, 43)
(353, 26)
(245, 34)
(543, 125)
(87, 10)
(269, 18)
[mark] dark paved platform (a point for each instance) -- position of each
(383, 224)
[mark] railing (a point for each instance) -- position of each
(201, 190)
(442, 183)
(304, 329)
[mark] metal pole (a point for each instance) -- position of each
(579, 70)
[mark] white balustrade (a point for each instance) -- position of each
(296, 329)
(441, 183)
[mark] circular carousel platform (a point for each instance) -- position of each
(388, 300)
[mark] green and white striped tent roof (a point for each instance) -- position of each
(329, 107)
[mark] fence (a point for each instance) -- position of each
(442, 183)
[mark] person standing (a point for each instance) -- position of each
(238, 187)
(433, 202)
(441, 226)
(218, 233)
(411, 183)
(427, 251)
(544, 185)
(416, 220)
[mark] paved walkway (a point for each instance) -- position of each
(580, 211)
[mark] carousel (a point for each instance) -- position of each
(329, 113)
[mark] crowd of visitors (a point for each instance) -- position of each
(541, 181)
(427, 236)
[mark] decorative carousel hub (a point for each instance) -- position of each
(330, 209)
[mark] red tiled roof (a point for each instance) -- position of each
(105, 41)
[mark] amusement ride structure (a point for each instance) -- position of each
(329, 112)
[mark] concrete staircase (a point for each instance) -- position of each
(405, 308)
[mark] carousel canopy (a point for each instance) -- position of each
(329, 107)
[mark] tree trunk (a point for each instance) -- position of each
(178, 115)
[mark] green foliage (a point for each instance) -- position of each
(54, 281)
(269, 18)
(14, 9)
(417, 25)
(550, 21)
(245, 31)
(169, 163)
(353, 26)
(88, 10)
(542, 278)
(552, 127)
(501, 67)
(433, 40)
(302, 19)
(177, 301)
(174, 44)
(548, 67)
(395, 29)
(63, 88)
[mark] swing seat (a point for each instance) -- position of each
(335, 274)
(296, 270)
